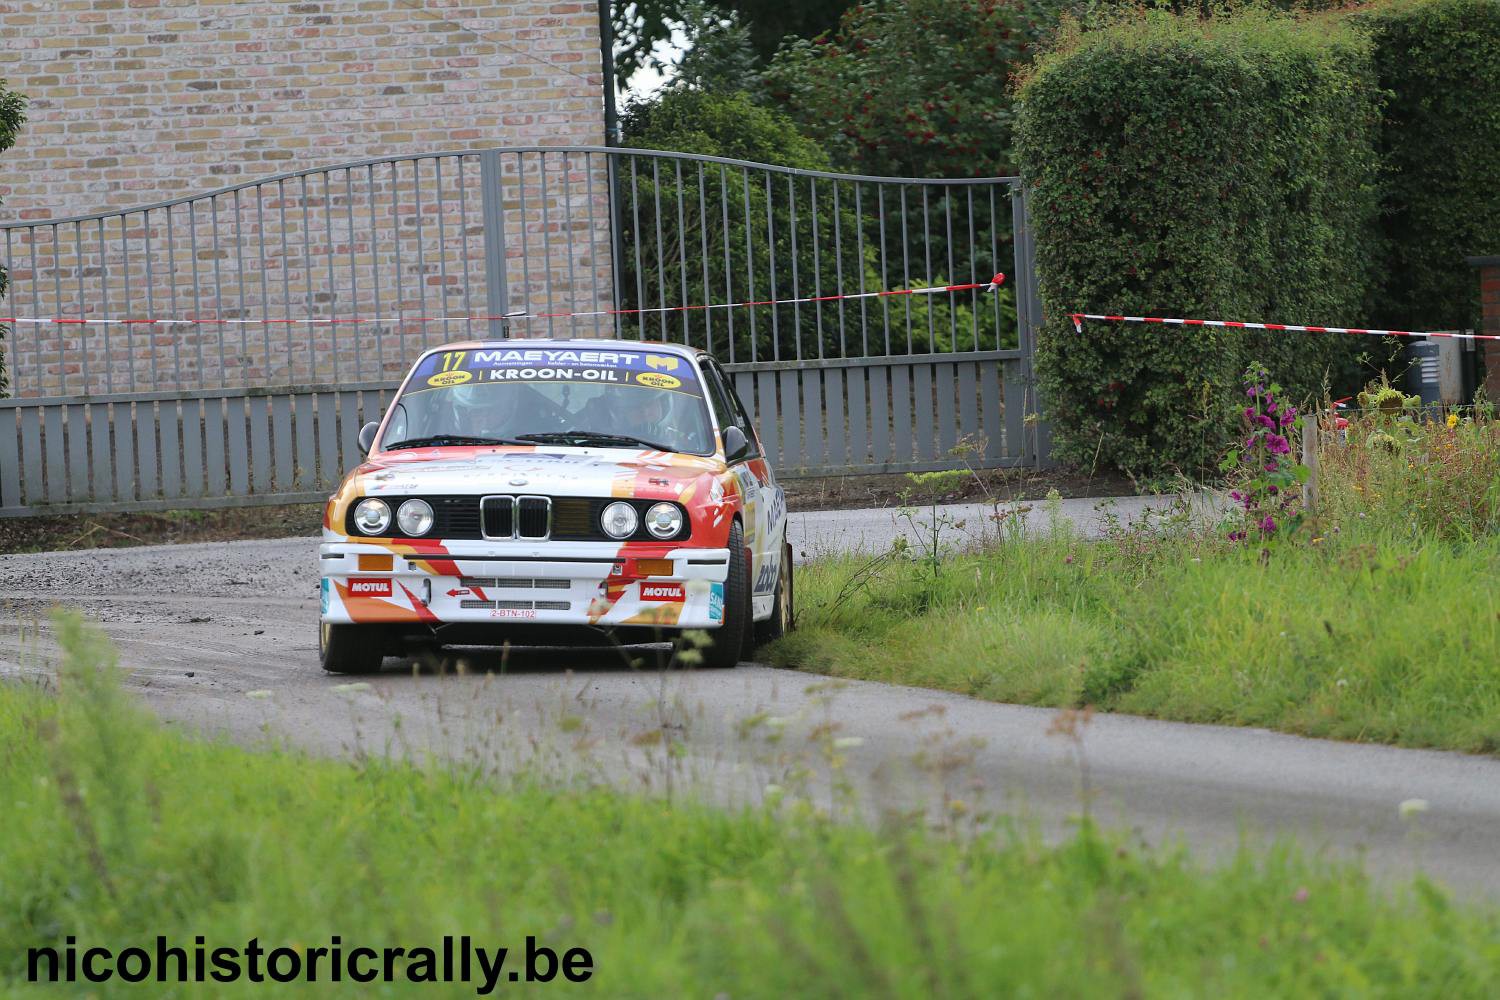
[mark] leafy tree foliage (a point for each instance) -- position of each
(640, 24)
(721, 56)
(913, 87)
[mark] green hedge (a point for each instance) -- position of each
(1440, 61)
(1224, 168)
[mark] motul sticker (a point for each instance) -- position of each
(662, 592)
(370, 588)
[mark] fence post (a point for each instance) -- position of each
(1310, 424)
(491, 199)
(1450, 365)
(1028, 321)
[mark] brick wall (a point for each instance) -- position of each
(1489, 299)
(136, 102)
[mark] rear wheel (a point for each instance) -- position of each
(729, 637)
(351, 649)
(782, 610)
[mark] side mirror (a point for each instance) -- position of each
(736, 445)
(367, 436)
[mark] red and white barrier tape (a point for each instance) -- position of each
(1078, 319)
(991, 285)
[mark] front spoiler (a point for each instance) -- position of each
(555, 583)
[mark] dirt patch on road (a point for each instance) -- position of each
(103, 531)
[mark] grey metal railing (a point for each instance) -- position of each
(344, 273)
(697, 230)
(292, 305)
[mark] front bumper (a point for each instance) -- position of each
(510, 583)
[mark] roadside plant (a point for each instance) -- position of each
(1384, 401)
(1262, 470)
(929, 531)
(1409, 475)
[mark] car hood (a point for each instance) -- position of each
(551, 471)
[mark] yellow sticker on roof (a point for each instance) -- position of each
(450, 378)
(656, 380)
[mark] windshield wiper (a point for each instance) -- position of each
(444, 440)
(595, 437)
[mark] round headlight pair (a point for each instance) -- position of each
(372, 516)
(619, 520)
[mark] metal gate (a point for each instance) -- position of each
(224, 349)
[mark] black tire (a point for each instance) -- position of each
(783, 609)
(351, 649)
(729, 638)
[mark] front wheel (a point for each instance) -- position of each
(729, 637)
(783, 615)
(351, 649)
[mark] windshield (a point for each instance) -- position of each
(530, 395)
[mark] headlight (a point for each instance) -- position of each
(415, 517)
(619, 520)
(372, 516)
(664, 520)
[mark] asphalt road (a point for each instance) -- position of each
(222, 637)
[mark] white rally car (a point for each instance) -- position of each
(542, 492)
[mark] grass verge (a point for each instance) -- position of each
(1374, 638)
(117, 830)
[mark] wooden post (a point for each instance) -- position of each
(1310, 459)
(1450, 371)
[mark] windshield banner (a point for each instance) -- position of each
(544, 364)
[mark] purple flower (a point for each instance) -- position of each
(1265, 421)
(1277, 445)
(1271, 408)
(1287, 418)
(1270, 466)
(1268, 525)
(1249, 413)
(1235, 495)
(1272, 490)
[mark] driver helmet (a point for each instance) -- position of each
(480, 407)
(649, 409)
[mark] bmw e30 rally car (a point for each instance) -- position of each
(533, 491)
